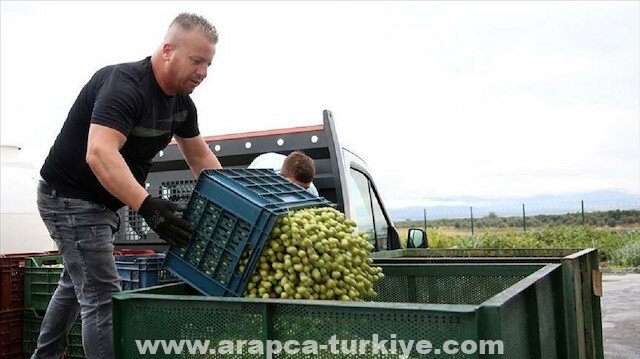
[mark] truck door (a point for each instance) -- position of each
(366, 209)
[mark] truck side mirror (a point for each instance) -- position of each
(417, 238)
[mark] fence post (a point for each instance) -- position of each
(471, 209)
(524, 219)
(424, 211)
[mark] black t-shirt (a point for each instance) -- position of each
(125, 97)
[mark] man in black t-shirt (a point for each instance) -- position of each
(99, 162)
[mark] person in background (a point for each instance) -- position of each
(297, 167)
(99, 162)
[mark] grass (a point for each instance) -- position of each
(617, 247)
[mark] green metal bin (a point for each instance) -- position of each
(467, 303)
(581, 282)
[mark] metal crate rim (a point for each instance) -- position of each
(140, 294)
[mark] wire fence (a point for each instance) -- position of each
(581, 212)
(561, 208)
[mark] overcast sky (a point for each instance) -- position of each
(492, 99)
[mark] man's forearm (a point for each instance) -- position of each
(197, 154)
(106, 162)
(116, 177)
(209, 161)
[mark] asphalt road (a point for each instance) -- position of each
(620, 304)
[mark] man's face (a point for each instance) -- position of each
(190, 60)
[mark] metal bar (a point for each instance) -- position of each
(184, 292)
(489, 326)
(559, 313)
(579, 254)
(572, 304)
(587, 294)
(533, 321)
(597, 311)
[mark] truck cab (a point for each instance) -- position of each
(342, 177)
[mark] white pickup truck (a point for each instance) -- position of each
(342, 178)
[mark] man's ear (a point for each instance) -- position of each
(167, 50)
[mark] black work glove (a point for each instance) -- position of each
(160, 216)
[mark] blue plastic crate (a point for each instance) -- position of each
(142, 271)
(234, 211)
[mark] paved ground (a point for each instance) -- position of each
(620, 305)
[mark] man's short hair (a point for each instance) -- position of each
(299, 166)
(188, 22)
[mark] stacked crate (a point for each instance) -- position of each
(137, 268)
(142, 271)
(41, 275)
(12, 302)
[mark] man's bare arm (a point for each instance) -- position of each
(197, 154)
(106, 162)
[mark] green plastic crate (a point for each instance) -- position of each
(32, 320)
(581, 282)
(41, 275)
(456, 302)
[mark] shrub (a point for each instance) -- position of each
(438, 239)
(619, 249)
(627, 255)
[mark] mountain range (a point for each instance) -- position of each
(463, 206)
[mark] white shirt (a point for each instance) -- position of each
(275, 161)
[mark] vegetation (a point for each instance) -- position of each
(616, 234)
(599, 219)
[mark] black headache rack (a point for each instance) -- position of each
(171, 178)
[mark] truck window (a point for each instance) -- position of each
(365, 209)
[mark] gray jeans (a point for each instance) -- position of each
(84, 232)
